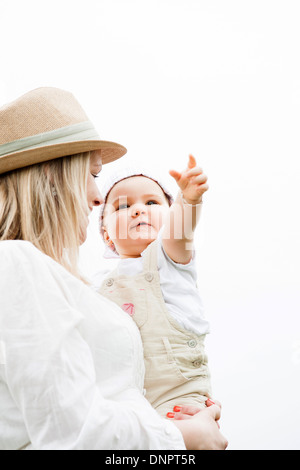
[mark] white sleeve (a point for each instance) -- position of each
(163, 257)
(49, 368)
(180, 291)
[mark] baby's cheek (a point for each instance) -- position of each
(111, 224)
(162, 215)
(121, 225)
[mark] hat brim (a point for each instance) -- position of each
(110, 151)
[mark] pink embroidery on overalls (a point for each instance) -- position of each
(128, 308)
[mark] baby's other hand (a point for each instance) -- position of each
(192, 182)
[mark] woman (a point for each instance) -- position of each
(71, 362)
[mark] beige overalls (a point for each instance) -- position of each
(175, 360)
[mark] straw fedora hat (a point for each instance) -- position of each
(48, 123)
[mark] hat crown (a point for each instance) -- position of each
(38, 111)
(48, 123)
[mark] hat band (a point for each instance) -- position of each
(75, 132)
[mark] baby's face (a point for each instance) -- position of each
(134, 213)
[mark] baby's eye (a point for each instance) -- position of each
(149, 203)
(122, 206)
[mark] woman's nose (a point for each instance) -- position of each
(98, 199)
(95, 197)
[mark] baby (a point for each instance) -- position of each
(155, 280)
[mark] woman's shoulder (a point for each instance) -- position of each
(19, 255)
(17, 247)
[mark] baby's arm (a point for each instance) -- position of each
(184, 213)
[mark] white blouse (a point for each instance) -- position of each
(71, 364)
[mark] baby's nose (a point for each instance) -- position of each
(138, 211)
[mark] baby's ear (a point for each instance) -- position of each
(106, 239)
(105, 236)
(110, 247)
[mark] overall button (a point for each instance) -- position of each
(197, 363)
(149, 277)
(109, 282)
(192, 343)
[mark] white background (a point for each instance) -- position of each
(219, 79)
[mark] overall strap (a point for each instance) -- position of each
(150, 257)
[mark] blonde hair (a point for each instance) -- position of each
(46, 204)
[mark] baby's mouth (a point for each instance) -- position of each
(141, 224)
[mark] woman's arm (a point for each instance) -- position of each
(185, 213)
(50, 370)
(50, 373)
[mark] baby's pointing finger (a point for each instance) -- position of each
(192, 162)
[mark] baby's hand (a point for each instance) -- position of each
(192, 182)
